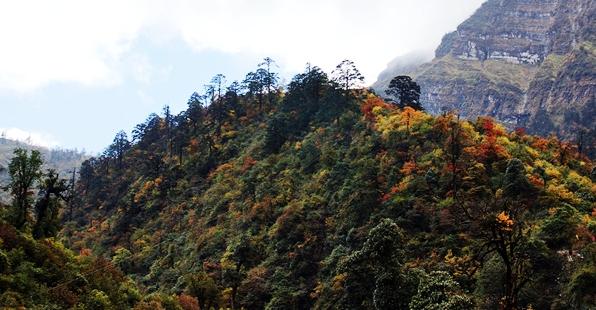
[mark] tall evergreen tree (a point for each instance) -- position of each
(52, 194)
(24, 171)
(269, 77)
(347, 76)
(119, 146)
(406, 91)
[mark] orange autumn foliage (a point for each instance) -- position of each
(540, 144)
(370, 103)
(223, 168)
(85, 252)
(409, 167)
(193, 145)
(188, 302)
(397, 188)
(489, 127)
(536, 180)
(248, 163)
(491, 149)
(504, 221)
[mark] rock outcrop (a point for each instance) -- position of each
(528, 63)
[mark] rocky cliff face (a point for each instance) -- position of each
(528, 63)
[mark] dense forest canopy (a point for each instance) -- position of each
(316, 194)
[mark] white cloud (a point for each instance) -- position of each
(84, 41)
(29, 137)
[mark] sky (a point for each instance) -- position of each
(73, 73)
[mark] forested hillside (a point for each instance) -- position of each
(36, 270)
(322, 195)
(62, 160)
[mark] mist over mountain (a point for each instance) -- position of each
(529, 64)
(402, 65)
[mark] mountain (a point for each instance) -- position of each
(402, 65)
(527, 63)
(327, 198)
(62, 160)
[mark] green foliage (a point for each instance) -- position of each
(377, 264)
(438, 290)
(559, 228)
(203, 287)
(580, 291)
(98, 300)
(515, 182)
(314, 197)
(406, 90)
(53, 191)
(24, 171)
(36, 271)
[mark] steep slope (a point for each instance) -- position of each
(528, 63)
(42, 274)
(318, 198)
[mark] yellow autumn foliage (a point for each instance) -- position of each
(401, 120)
(582, 181)
(562, 192)
(532, 152)
(469, 130)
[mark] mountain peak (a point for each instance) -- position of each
(528, 63)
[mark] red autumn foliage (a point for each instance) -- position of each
(520, 131)
(490, 150)
(390, 195)
(248, 163)
(85, 252)
(489, 128)
(369, 104)
(540, 144)
(451, 168)
(536, 181)
(188, 302)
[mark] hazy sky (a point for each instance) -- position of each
(73, 73)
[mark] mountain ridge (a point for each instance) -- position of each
(311, 197)
(527, 63)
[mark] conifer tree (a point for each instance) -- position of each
(406, 91)
(24, 171)
(347, 76)
(52, 194)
